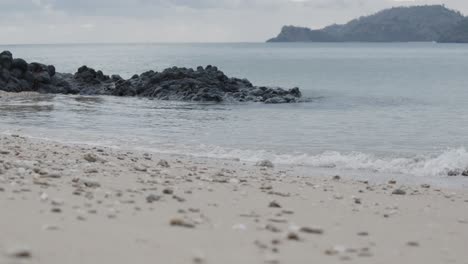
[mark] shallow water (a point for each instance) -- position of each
(377, 108)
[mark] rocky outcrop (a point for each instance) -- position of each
(16, 75)
(207, 84)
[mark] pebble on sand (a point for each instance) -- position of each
(265, 164)
(56, 210)
(293, 236)
(413, 244)
(312, 230)
(274, 204)
(90, 157)
(181, 222)
(399, 192)
(164, 164)
(92, 184)
(140, 168)
(152, 198)
(53, 175)
(272, 228)
(20, 252)
(168, 191)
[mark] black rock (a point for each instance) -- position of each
(20, 64)
(207, 84)
(6, 59)
(51, 70)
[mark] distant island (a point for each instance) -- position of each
(399, 24)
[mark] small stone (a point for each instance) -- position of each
(274, 204)
(181, 223)
(90, 157)
(265, 164)
(266, 187)
(413, 244)
(163, 163)
(331, 252)
(399, 192)
(312, 230)
(425, 186)
(91, 170)
(272, 228)
(465, 173)
(56, 210)
(260, 244)
(293, 236)
(140, 168)
(40, 171)
(152, 198)
(21, 253)
(57, 202)
(357, 200)
(4, 152)
(392, 182)
(199, 258)
(54, 175)
(111, 216)
(168, 191)
(338, 196)
(282, 194)
(92, 184)
(178, 198)
(363, 234)
(336, 177)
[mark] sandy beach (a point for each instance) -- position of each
(63, 203)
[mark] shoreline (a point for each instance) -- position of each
(458, 182)
(67, 203)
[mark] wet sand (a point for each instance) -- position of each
(63, 203)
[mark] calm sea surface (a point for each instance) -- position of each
(388, 108)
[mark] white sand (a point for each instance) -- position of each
(105, 217)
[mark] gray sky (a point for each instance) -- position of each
(78, 21)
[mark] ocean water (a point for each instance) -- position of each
(377, 108)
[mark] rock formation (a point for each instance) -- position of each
(207, 84)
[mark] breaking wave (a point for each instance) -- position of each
(424, 165)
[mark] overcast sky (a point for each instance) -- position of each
(78, 21)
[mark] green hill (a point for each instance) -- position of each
(398, 24)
